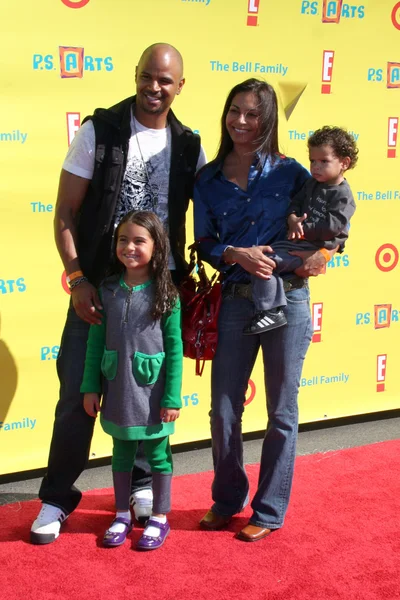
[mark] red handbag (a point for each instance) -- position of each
(200, 302)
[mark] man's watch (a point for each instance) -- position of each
(225, 249)
(73, 276)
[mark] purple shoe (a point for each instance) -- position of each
(112, 538)
(147, 542)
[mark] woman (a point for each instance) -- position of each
(241, 200)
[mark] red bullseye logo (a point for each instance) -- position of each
(250, 392)
(387, 257)
(75, 3)
(396, 15)
(64, 283)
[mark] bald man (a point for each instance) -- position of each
(134, 155)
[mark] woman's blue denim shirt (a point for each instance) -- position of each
(226, 215)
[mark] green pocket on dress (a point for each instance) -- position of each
(109, 364)
(146, 367)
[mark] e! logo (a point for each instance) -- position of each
(75, 3)
(327, 68)
(381, 372)
(252, 9)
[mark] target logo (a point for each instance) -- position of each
(396, 15)
(250, 392)
(387, 257)
(65, 284)
(75, 3)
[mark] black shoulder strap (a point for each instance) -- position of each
(193, 149)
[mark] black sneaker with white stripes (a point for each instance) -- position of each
(265, 320)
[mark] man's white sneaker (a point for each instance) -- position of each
(142, 503)
(46, 527)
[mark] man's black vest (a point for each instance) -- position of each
(96, 217)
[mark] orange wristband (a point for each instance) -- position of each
(325, 254)
(74, 276)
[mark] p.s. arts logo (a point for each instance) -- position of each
(381, 361)
(73, 124)
(190, 400)
(253, 6)
(393, 130)
(387, 257)
(381, 317)
(75, 3)
(327, 71)
(392, 71)
(331, 11)
(72, 62)
(338, 260)
(49, 352)
(11, 286)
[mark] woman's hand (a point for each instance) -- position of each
(91, 404)
(169, 414)
(252, 260)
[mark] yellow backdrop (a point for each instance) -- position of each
(331, 63)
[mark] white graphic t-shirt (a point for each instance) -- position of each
(146, 179)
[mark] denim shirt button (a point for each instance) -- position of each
(248, 199)
(224, 214)
(253, 223)
(276, 194)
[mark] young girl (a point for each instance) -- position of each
(138, 351)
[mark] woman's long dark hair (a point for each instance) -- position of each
(166, 294)
(267, 144)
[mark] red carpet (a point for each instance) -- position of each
(341, 540)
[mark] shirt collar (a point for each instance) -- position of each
(215, 167)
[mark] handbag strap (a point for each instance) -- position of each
(197, 263)
(200, 363)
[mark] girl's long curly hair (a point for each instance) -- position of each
(166, 294)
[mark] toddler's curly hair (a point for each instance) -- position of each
(343, 144)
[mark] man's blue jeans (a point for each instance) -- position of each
(73, 428)
(284, 350)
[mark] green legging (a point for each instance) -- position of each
(157, 451)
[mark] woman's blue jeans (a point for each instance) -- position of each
(284, 350)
